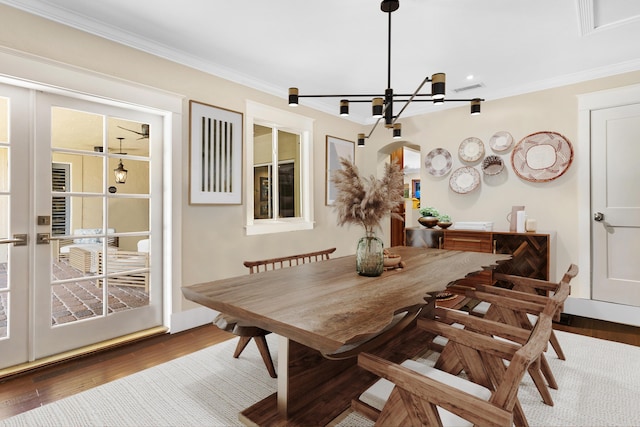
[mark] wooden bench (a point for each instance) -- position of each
(247, 332)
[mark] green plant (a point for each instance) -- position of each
(429, 211)
(444, 218)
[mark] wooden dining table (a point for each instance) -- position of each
(325, 313)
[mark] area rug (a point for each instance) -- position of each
(599, 385)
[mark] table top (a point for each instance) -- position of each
(326, 305)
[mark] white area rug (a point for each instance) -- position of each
(599, 386)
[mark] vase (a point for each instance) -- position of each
(369, 255)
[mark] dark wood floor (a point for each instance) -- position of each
(30, 390)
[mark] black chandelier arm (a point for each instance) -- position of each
(450, 100)
(409, 100)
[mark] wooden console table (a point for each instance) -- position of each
(533, 253)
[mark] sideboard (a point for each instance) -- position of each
(533, 253)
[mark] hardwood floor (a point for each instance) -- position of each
(32, 389)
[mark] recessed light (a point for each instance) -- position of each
(470, 77)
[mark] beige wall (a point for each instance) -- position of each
(214, 240)
(553, 204)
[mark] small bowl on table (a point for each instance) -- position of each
(391, 260)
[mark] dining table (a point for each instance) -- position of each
(324, 314)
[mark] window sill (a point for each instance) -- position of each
(277, 226)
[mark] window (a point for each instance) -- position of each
(278, 170)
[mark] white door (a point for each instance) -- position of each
(14, 204)
(615, 201)
(87, 273)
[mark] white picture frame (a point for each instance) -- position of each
(215, 159)
(336, 148)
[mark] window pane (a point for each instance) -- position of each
(288, 174)
(135, 137)
(137, 181)
(4, 169)
(77, 173)
(4, 119)
(128, 215)
(76, 130)
(262, 159)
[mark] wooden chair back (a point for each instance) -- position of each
(287, 261)
(482, 355)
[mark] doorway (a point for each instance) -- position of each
(85, 260)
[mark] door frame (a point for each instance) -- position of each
(33, 72)
(580, 302)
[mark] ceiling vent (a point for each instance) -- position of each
(475, 86)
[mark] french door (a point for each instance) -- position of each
(90, 177)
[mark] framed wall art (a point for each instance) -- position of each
(215, 159)
(335, 149)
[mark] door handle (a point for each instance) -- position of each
(18, 240)
(598, 216)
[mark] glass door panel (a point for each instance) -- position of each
(100, 283)
(14, 205)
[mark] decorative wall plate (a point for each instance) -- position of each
(501, 141)
(464, 179)
(492, 165)
(438, 162)
(542, 156)
(471, 149)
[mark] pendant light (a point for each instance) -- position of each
(120, 172)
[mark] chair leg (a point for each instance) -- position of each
(548, 374)
(261, 342)
(241, 345)
(538, 380)
(556, 346)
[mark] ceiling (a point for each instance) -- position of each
(510, 47)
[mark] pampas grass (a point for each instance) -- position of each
(365, 201)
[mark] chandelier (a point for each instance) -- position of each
(382, 104)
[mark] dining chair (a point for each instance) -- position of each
(519, 309)
(417, 394)
(248, 332)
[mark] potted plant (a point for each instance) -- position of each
(444, 221)
(428, 216)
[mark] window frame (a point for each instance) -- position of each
(265, 115)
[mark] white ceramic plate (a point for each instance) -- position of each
(438, 162)
(471, 149)
(542, 156)
(501, 141)
(464, 179)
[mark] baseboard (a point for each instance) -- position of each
(618, 313)
(191, 319)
